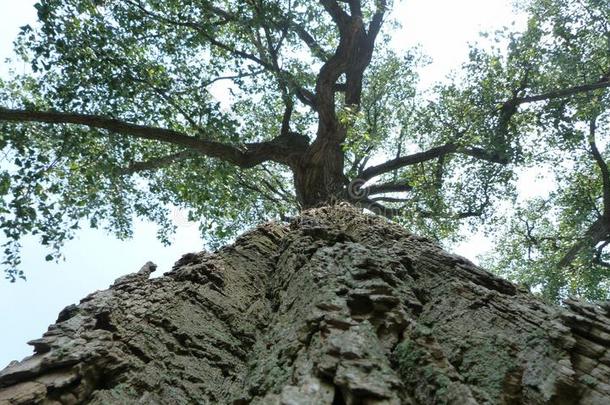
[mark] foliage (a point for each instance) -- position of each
(243, 111)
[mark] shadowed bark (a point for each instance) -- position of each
(334, 308)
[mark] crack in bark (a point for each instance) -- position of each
(334, 307)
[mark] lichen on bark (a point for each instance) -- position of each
(334, 307)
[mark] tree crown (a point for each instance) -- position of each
(249, 110)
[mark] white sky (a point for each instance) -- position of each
(95, 259)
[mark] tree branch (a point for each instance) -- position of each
(339, 16)
(378, 208)
(390, 199)
(571, 91)
(431, 154)
(598, 256)
(597, 232)
(315, 48)
(377, 19)
(394, 187)
(355, 8)
(603, 167)
(254, 153)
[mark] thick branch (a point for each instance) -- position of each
(351, 32)
(430, 154)
(603, 167)
(390, 199)
(340, 87)
(571, 91)
(253, 155)
(596, 233)
(403, 161)
(351, 58)
(377, 19)
(394, 187)
(355, 8)
(378, 208)
(315, 48)
(339, 16)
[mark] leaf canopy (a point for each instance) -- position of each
(242, 111)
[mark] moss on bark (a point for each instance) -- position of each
(334, 307)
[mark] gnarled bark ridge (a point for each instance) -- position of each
(336, 307)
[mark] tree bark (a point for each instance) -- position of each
(319, 178)
(336, 307)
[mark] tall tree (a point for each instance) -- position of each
(119, 117)
(335, 308)
(327, 306)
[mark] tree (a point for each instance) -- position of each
(322, 305)
(336, 307)
(118, 118)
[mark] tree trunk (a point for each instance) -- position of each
(319, 178)
(336, 307)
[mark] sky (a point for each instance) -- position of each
(95, 259)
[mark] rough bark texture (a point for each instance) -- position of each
(336, 307)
